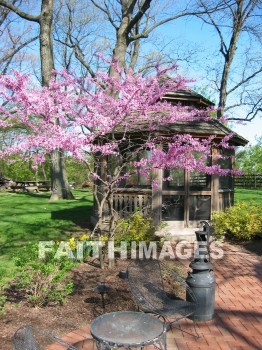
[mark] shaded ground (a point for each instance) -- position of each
(254, 246)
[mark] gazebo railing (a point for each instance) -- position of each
(126, 203)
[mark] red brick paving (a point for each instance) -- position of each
(237, 324)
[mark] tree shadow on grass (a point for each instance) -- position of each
(31, 194)
(30, 219)
(80, 216)
(47, 195)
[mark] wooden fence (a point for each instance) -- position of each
(249, 181)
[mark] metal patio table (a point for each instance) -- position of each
(128, 329)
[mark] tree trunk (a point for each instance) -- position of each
(122, 38)
(119, 52)
(223, 89)
(60, 186)
(46, 43)
(229, 54)
(226, 70)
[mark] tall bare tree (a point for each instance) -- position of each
(237, 18)
(60, 185)
(124, 25)
(78, 36)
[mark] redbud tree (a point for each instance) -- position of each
(94, 119)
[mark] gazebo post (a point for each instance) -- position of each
(215, 184)
(157, 196)
(186, 200)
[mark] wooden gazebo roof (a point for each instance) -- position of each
(188, 97)
(203, 129)
(197, 128)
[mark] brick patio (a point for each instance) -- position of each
(238, 313)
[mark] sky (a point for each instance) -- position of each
(250, 130)
(193, 31)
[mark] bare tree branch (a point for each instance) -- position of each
(243, 81)
(79, 55)
(136, 18)
(106, 12)
(19, 12)
(223, 47)
(146, 33)
(17, 49)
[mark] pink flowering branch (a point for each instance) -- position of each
(83, 117)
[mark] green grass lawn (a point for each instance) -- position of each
(243, 195)
(26, 217)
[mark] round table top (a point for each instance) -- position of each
(126, 328)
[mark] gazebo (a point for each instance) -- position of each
(189, 197)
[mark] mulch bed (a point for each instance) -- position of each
(80, 309)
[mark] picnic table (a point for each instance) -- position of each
(5, 183)
(31, 186)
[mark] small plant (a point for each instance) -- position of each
(86, 245)
(2, 304)
(44, 281)
(136, 228)
(240, 222)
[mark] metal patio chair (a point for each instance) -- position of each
(25, 338)
(145, 278)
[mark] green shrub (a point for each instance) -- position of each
(2, 304)
(135, 228)
(240, 222)
(43, 281)
(87, 243)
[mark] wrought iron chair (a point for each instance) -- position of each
(25, 338)
(145, 278)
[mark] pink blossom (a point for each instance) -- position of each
(82, 117)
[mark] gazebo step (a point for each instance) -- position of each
(174, 234)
